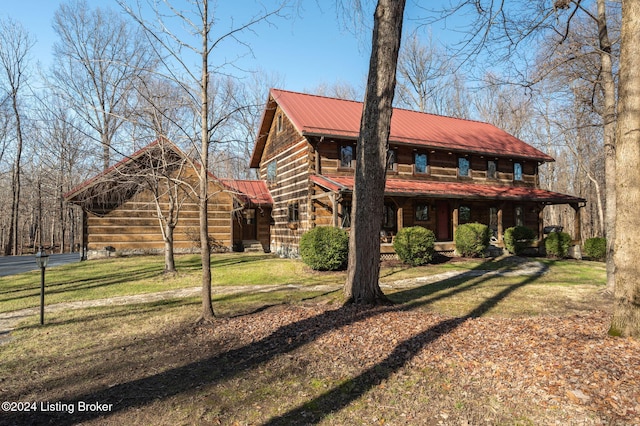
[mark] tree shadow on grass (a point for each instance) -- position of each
(226, 365)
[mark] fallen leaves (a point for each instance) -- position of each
(567, 362)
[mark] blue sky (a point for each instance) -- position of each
(314, 47)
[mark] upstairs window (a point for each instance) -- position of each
(492, 169)
(392, 160)
(420, 163)
(272, 171)
(279, 123)
(463, 167)
(517, 171)
(346, 156)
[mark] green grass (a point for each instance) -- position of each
(98, 279)
(144, 274)
(144, 347)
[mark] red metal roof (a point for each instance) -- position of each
(452, 190)
(320, 116)
(255, 191)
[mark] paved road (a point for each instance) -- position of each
(11, 265)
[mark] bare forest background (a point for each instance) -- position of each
(110, 92)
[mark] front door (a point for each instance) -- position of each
(443, 221)
(249, 224)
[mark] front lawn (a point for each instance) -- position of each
(472, 349)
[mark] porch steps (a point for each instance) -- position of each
(252, 246)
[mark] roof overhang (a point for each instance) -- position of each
(452, 190)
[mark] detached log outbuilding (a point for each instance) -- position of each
(122, 206)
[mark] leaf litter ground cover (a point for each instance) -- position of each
(320, 363)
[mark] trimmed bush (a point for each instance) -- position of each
(596, 248)
(325, 248)
(517, 238)
(472, 239)
(557, 244)
(415, 245)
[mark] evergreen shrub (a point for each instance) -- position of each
(596, 248)
(517, 238)
(415, 245)
(472, 239)
(557, 244)
(325, 248)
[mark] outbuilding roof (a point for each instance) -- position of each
(314, 115)
(470, 191)
(110, 188)
(254, 191)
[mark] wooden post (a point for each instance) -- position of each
(577, 231)
(455, 218)
(540, 222)
(500, 225)
(334, 208)
(577, 226)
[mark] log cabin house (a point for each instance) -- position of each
(442, 172)
(120, 212)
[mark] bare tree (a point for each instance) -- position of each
(429, 80)
(200, 41)
(98, 59)
(508, 30)
(339, 89)
(15, 44)
(626, 310)
(65, 166)
(162, 169)
(363, 271)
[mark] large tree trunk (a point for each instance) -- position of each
(626, 310)
(609, 92)
(205, 249)
(371, 157)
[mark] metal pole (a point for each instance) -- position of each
(42, 295)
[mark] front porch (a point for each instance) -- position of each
(442, 207)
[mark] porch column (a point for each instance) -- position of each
(577, 226)
(455, 218)
(500, 226)
(85, 236)
(540, 222)
(399, 217)
(334, 206)
(577, 231)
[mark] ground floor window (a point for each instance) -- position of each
(422, 212)
(272, 170)
(346, 214)
(464, 214)
(293, 213)
(519, 216)
(389, 218)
